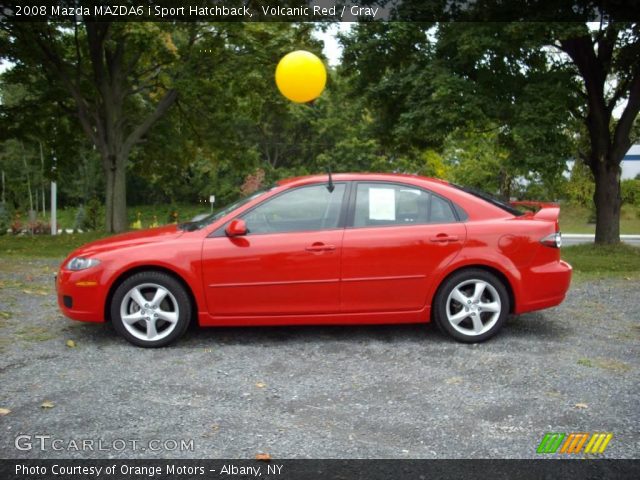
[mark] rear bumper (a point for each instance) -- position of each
(544, 286)
(81, 295)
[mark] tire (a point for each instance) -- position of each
(146, 323)
(471, 305)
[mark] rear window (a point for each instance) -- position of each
(492, 199)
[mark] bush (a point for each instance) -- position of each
(94, 214)
(39, 227)
(5, 219)
(580, 188)
(630, 191)
(17, 225)
(81, 216)
(592, 215)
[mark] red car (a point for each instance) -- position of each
(352, 249)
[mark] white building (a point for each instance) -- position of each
(630, 164)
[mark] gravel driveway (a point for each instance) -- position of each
(402, 391)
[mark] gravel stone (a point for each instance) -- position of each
(400, 391)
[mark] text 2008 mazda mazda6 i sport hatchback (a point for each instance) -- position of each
(352, 249)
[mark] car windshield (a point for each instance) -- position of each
(208, 220)
(492, 199)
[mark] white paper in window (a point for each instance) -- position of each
(382, 204)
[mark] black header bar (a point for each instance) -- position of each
(317, 469)
(322, 10)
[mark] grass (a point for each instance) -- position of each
(607, 260)
(585, 362)
(35, 334)
(587, 259)
(44, 246)
(66, 216)
(573, 219)
(605, 364)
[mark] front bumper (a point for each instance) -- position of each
(81, 294)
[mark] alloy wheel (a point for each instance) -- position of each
(473, 307)
(149, 312)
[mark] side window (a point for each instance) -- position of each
(389, 204)
(441, 211)
(301, 209)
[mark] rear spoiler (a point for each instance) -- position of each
(544, 210)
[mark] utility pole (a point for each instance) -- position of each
(44, 183)
(54, 193)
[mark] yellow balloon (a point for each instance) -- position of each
(301, 76)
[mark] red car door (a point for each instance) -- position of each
(399, 237)
(289, 261)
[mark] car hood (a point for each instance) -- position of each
(130, 239)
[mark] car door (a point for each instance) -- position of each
(398, 236)
(288, 262)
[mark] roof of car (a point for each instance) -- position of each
(357, 176)
(474, 206)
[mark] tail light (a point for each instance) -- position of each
(553, 240)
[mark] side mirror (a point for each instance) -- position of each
(236, 228)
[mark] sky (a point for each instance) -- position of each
(332, 49)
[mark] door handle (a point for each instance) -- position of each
(444, 238)
(320, 247)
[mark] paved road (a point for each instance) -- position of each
(403, 391)
(578, 238)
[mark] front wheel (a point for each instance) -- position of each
(471, 305)
(151, 309)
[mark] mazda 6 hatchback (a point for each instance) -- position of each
(348, 249)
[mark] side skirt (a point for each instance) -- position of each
(368, 318)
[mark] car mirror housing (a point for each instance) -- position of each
(236, 228)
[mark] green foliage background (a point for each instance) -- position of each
(457, 102)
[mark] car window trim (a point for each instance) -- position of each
(221, 231)
(352, 205)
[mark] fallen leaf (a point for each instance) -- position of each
(4, 411)
(453, 380)
(71, 344)
(581, 405)
(215, 427)
(5, 315)
(261, 384)
(263, 457)
(47, 404)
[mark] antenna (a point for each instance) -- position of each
(330, 186)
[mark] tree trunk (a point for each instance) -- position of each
(120, 198)
(116, 194)
(26, 171)
(607, 200)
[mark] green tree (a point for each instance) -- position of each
(121, 78)
(606, 60)
(532, 80)
(424, 81)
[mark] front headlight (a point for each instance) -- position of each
(81, 263)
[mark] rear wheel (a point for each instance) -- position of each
(471, 305)
(151, 309)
